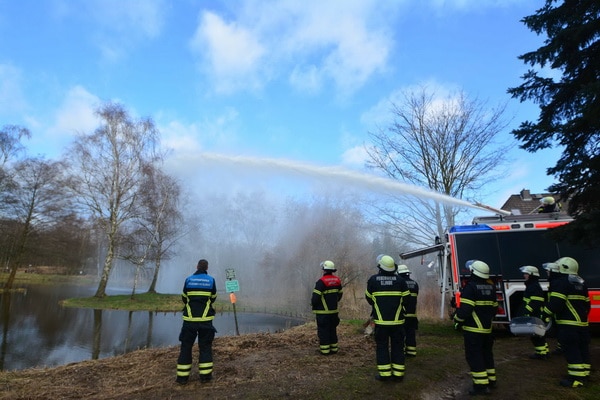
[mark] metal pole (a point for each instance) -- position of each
(237, 331)
(444, 279)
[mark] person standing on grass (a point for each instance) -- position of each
(386, 293)
(569, 305)
(474, 315)
(324, 301)
(532, 306)
(553, 271)
(411, 322)
(199, 294)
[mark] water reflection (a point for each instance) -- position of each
(37, 332)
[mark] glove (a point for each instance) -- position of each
(546, 318)
(457, 326)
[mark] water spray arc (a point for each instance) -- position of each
(366, 181)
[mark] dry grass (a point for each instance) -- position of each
(288, 365)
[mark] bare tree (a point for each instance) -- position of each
(160, 222)
(106, 169)
(37, 200)
(448, 145)
(10, 142)
(10, 147)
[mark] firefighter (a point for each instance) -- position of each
(411, 322)
(532, 306)
(199, 294)
(548, 205)
(569, 304)
(325, 297)
(478, 307)
(553, 271)
(386, 293)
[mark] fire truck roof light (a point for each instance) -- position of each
(470, 228)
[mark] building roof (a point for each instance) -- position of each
(527, 203)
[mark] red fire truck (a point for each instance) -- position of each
(505, 243)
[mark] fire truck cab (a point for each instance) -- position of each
(506, 243)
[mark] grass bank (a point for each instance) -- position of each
(22, 278)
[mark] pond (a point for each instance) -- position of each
(37, 332)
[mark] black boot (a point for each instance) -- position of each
(479, 390)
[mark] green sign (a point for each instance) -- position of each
(232, 286)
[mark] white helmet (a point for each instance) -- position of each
(551, 267)
(386, 263)
(403, 269)
(528, 269)
(567, 265)
(478, 268)
(328, 266)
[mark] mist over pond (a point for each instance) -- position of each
(37, 332)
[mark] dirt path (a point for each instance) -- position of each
(288, 365)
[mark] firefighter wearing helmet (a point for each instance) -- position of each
(411, 322)
(548, 205)
(324, 301)
(386, 293)
(569, 305)
(553, 271)
(478, 307)
(532, 306)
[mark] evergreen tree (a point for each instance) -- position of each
(566, 87)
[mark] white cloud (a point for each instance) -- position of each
(311, 43)
(380, 115)
(232, 52)
(216, 133)
(76, 114)
(355, 157)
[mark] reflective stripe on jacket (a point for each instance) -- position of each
(386, 293)
(569, 301)
(533, 298)
(199, 294)
(410, 303)
(478, 306)
(326, 294)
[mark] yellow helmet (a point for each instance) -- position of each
(386, 263)
(328, 266)
(567, 265)
(547, 201)
(403, 269)
(478, 268)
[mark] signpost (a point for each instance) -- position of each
(231, 286)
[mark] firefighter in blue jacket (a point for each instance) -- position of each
(534, 299)
(199, 294)
(477, 309)
(411, 322)
(386, 293)
(569, 304)
(324, 301)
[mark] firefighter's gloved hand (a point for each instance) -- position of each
(546, 318)
(457, 326)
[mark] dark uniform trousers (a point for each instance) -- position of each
(205, 333)
(480, 357)
(411, 324)
(327, 332)
(389, 351)
(574, 341)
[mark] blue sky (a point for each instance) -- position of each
(295, 80)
